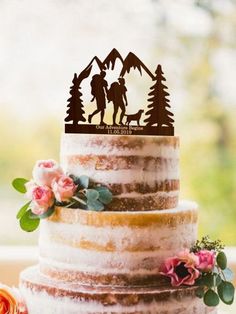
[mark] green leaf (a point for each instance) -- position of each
(74, 178)
(226, 292)
(27, 223)
(19, 184)
(105, 196)
(211, 298)
(200, 292)
(199, 282)
(48, 213)
(95, 205)
(221, 260)
(208, 280)
(83, 181)
(229, 276)
(218, 280)
(23, 210)
(92, 195)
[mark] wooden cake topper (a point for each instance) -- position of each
(156, 119)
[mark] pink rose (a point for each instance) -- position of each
(45, 171)
(30, 185)
(42, 199)
(182, 269)
(63, 188)
(206, 260)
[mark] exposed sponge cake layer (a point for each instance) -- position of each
(47, 296)
(119, 248)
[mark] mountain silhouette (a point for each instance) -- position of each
(132, 61)
(86, 71)
(111, 59)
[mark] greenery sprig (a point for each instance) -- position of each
(207, 244)
(88, 196)
(217, 284)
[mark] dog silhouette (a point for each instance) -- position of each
(134, 117)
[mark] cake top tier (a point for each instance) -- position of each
(102, 99)
(142, 172)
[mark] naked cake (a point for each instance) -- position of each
(123, 243)
(108, 262)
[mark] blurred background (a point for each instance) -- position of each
(43, 43)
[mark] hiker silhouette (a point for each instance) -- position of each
(117, 94)
(99, 91)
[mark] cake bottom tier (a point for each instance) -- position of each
(48, 296)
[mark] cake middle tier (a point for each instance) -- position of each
(114, 248)
(142, 172)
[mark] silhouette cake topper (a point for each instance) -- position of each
(155, 120)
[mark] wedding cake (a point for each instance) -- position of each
(123, 243)
(108, 262)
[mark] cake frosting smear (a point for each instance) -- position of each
(109, 261)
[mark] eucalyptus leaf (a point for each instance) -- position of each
(95, 205)
(228, 274)
(27, 223)
(221, 260)
(200, 292)
(211, 298)
(105, 196)
(92, 195)
(48, 213)
(22, 210)
(74, 178)
(199, 281)
(83, 181)
(218, 280)
(208, 280)
(226, 292)
(19, 184)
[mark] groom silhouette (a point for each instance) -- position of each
(117, 94)
(99, 91)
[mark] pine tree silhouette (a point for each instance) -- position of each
(158, 113)
(75, 106)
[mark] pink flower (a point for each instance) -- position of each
(63, 188)
(45, 171)
(42, 199)
(206, 260)
(182, 269)
(30, 185)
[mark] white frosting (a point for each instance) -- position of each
(77, 144)
(67, 257)
(169, 171)
(122, 237)
(153, 243)
(41, 302)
